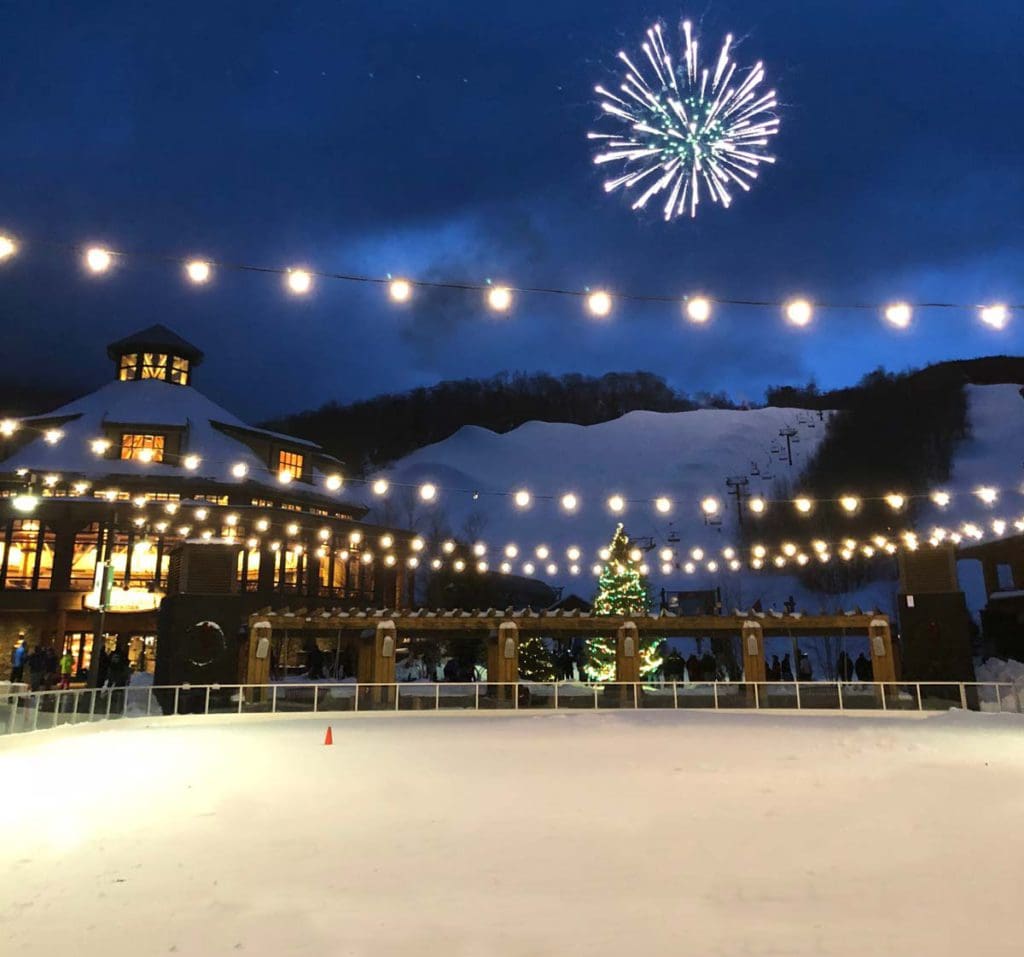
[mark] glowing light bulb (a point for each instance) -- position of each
(300, 281)
(663, 505)
(987, 494)
(292, 528)
(604, 554)
(8, 427)
(52, 436)
(417, 544)
(191, 462)
(542, 552)
(436, 563)
(552, 569)
(570, 502)
(757, 505)
(100, 446)
(734, 565)
(696, 554)
(995, 315)
(481, 567)
(759, 551)
(24, 502)
(239, 470)
(380, 487)
(202, 514)
(616, 503)
(499, 298)
(284, 476)
(505, 568)
(386, 541)
(574, 569)
(333, 482)
(596, 569)
(789, 549)
(412, 561)
(712, 566)
(198, 271)
(895, 501)
(799, 312)
(803, 504)
(819, 546)
(698, 309)
(511, 551)
(572, 553)
(635, 554)
(940, 498)
(262, 525)
(400, 290)
(528, 568)
(757, 564)
(231, 520)
(728, 553)
(666, 568)
(389, 560)
(689, 568)
(98, 260)
(522, 498)
(849, 503)
(355, 538)
(665, 554)
(898, 314)
(599, 303)
(428, 492)
(8, 247)
(366, 558)
(710, 506)
(448, 547)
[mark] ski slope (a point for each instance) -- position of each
(685, 456)
(516, 835)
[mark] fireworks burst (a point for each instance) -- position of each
(688, 127)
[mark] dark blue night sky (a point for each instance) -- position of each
(448, 140)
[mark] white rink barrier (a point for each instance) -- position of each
(31, 711)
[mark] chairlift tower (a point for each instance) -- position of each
(738, 485)
(788, 433)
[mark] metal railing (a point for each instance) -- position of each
(32, 711)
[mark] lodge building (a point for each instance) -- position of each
(146, 467)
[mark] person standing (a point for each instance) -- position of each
(66, 664)
(18, 655)
(36, 668)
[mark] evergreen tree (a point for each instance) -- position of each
(535, 660)
(621, 590)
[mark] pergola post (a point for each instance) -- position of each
(377, 661)
(503, 659)
(883, 662)
(627, 652)
(257, 671)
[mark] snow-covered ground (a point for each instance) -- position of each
(599, 834)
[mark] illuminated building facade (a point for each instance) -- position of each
(133, 472)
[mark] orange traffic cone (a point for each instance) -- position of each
(329, 737)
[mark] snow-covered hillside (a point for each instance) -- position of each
(685, 456)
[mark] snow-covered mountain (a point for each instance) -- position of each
(685, 456)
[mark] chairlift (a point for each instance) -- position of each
(673, 535)
(775, 448)
(755, 469)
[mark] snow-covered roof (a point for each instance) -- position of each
(155, 404)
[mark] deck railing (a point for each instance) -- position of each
(32, 711)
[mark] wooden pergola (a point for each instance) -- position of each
(378, 630)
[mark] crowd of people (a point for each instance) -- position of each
(42, 669)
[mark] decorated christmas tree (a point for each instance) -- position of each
(622, 589)
(535, 659)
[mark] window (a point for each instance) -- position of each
(154, 365)
(179, 370)
(27, 557)
(129, 366)
(143, 448)
(83, 558)
(289, 463)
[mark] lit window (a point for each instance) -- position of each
(142, 448)
(154, 365)
(289, 463)
(179, 370)
(129, 366)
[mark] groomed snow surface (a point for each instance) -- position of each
(639, 833)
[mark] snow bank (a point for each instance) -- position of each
(516, 835)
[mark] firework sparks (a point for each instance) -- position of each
(691, 129)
